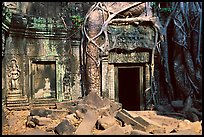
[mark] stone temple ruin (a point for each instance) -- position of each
(41, 63)
(41, 69)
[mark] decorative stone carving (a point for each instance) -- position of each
(130, 37)
(45, 92)
(67, 84)
(141, 57)
(14, 74)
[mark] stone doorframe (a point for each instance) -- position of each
(58, 72)
(109, 74)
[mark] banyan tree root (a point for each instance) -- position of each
(191, 112)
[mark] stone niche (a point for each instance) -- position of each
(126, 68)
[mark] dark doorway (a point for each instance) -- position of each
(129, 88)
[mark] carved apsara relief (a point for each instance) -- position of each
(14, 74)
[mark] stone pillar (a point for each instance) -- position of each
(111, 81)
(105, 81)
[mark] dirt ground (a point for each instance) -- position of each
(16, 123)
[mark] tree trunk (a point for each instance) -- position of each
(94, 23)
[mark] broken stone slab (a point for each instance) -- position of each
(41, 121)
(149, 124)
(146, 122)
(127, 129)
(58, 114)
(73, 119)
(113, 130)
(35, 131)
(40, 112)
(79, 114)
(106, 122)
(65, 128)
(93, 99)
(112, 106)
(30, 123)
(87, 124)
(139, 132)
(83, 108)
(196, 126)
(181, 132)
(66, 104)
(123, 116)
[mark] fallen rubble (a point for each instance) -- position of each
(94, 115)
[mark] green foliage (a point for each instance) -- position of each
(76, 20)
(155, 6)
(6, 14)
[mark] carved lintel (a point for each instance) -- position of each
(140, 57)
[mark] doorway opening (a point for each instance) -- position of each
(129, 87)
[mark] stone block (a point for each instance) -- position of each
(58, 114)
(113, 130)
(40, 112)
(35, 131)
(73, 119)
(66, 104)
(106, 122)
(41, 121)
(138, 132)
(87, 124)
(79, 114)
(30, 123)
(93, 99)
(146, 122)
(129, 120)
(65, 128)
(127, 129)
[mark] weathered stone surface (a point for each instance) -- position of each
(35, 131)
(87, 123)
(127, 129)
(114, 130)
(30, 123)
(197, 126)
(41, 121)
(106, 122)
(138, 132)
(40, 112)
(66, 104)
(58, 114)
(181, 132)
(93, 99)
(65, 128)
(73, 119)
(129, 120)
(79, 114)
(146, 122)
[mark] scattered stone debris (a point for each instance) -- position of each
(95, 115)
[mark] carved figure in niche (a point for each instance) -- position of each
(45, 92)
(14, 74)
(66, 82)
